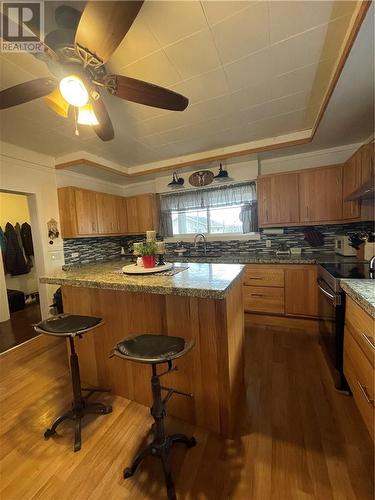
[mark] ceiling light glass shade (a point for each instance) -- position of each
(177, 182)
(86, 115)
(74, 91)
(57, 103)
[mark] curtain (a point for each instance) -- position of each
(243, 195)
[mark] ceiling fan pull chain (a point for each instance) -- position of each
(75, 121)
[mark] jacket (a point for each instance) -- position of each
(14, 259)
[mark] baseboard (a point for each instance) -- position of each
(310, 325)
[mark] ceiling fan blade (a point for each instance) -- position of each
(103, 25)
(105, 128)
(10, 23)
(147, 93)
(25, 92)
(67, 17)
(60, 38)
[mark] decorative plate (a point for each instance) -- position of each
(201, 178)
(134, 269)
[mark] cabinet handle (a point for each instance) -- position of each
(369, 340)
(255, 278)
(256, 295)
(364, 392)
(93, 226)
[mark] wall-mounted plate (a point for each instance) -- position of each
(201, 178)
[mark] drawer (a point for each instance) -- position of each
(263, 299)
(264, 276)
(360, 376)
(361, 326)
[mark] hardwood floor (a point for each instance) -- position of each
(19, 328)
(296, 437)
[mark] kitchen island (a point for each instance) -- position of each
(201, 303)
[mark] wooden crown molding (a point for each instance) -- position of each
(361, 14)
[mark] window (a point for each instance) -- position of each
(229, 209)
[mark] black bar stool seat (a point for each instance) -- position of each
(154, 350)
(70, 326)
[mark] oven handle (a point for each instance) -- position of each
(335, 299)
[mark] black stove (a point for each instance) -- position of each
(349, 270)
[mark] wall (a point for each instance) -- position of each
(14, 208)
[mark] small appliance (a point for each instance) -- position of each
(342, 246)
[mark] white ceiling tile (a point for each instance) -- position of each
(289, 18)
(217, 106)
(250, 96)
(139, 42)
(298, 51)
(294, 81)
(194, 55)
(216, 11)
(156, 69)
(203, 87)
(171, 21)
(243, 33)
(252, 70)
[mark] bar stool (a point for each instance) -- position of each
(69, 325)
(154, 350)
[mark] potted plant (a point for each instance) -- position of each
(148, 252)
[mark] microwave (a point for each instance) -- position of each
(342, 246)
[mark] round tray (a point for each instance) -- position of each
(133, 269)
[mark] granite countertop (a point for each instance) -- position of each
(262, 258)
(199, 280)
(362, 291)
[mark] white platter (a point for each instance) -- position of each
(133, 269)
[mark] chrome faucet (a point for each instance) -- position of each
(203, 239)
(372, 267)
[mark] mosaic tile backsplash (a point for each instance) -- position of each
(89, 250)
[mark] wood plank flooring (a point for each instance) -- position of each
(296, 437)
(18, 328)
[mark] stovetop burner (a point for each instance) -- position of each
(350, 270)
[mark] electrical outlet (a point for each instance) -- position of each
(268, 243)
(74, 255)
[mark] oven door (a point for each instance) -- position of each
(331, 329)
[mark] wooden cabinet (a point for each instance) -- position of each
(367, 162)
(89, 213)
(286, 290)
(86, 213)
(278, 200)
(301, 291)
(359, 352)
(352, 179)
(320, 192)
(142, 213)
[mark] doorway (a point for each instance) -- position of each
(19, 275)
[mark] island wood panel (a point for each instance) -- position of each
(209, 371)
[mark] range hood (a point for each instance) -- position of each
(364, 192)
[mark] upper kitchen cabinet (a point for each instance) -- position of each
(352, 179)
(142, 213)
(367, 162)
(278, 199)
(89, 213)
(320, 192)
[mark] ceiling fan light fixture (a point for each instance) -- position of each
(176, 182)
(57, 103)
(86, 115)
(74, 91)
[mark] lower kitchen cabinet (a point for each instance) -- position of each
(301, 291)
(284, 290)
(359, 353)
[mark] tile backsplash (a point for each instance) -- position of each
(89, 250)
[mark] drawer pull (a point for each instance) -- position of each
(257, 295)
(364, 392)
(369, 340)
(255, 277)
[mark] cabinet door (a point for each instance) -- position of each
(122, 216)
(320, 193)
(278, 200)
(132, 215)
(146, 208)
(301, 291)
(107, 214)
(352, 178)
(367, 162)
(87, 221)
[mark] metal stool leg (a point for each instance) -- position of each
(52, 430)
(129, 471)
(77, 433)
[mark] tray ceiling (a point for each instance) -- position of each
(251, 70)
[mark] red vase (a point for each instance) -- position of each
(148, 261)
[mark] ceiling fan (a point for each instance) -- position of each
(76, 55)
